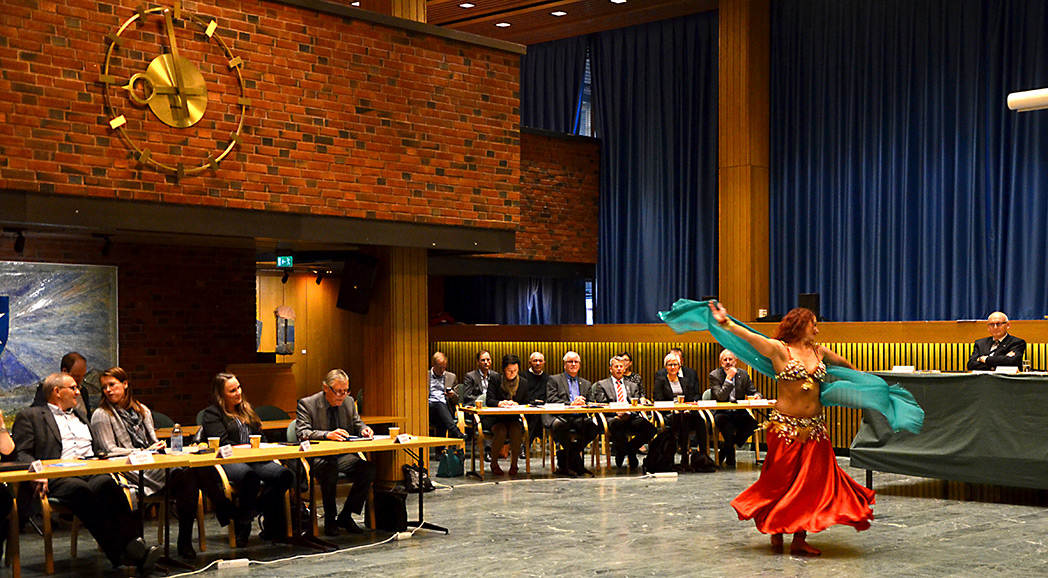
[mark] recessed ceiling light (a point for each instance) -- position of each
(618, 1)
(357, 4)
(503, 25)
(466, 5)
(559, 13)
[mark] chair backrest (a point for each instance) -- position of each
(270, 412)
(200, 416)
(162, 420)
(292, 436)
(707, 395)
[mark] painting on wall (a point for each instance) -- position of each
(46, 311)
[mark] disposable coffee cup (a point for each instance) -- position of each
(394, 432)
(213, 443)
(634, 400)
(680, 399)
(751, 397)
(256, 441)
(477, 404)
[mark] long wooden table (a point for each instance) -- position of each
(281, 424)
(598, 410)
(241, 454)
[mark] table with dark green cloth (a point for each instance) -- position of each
(978, 428)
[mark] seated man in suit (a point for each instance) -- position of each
(618, 389)
(442, 398)
(332, 415)
(729, 383)
(58, 430)
(75, 365)
(999, 348)
(476, 382)
(568, 388)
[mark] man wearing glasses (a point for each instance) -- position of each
(331, 414)
(999, 348)
(573, 432)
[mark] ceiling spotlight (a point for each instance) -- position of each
(503, 25)
(559, 13)
(320, 276)
(106, 246)
(20, 242)
(287, 275)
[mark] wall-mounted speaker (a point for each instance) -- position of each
(809, 301)
(358, 281)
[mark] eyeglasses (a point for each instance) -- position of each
(338, 392)
(73, 387)
(996, 323)
(573, 361)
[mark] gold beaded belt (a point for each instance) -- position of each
(794, 428)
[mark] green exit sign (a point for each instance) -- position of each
(285, 261)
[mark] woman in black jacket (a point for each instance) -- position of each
(667, 388)
(507, 391)
(260, 485)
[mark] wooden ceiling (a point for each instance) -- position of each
(532, 22)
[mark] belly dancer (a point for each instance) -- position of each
(801, 488)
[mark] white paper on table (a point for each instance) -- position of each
(706, 403)
(903, 369)
(664, 404)
(1006, 369)
(554, 406)
(619, 405)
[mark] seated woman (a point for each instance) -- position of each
(7, 447)
(122, 425)
(506, 391)
(231, 419)
(683, 423)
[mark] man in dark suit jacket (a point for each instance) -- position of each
(442, 399)
(729, 383)
(75, 365)
(332, 415)
(57, 431)
(570, 389)
(476, 382)
(999, 348)
(615, 388)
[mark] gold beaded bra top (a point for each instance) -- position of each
(795, 371)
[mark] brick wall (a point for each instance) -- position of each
(184, 313)
(560, 183)
(348, 118)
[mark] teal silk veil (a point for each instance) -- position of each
(843, 387)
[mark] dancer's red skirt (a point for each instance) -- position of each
(801, 487)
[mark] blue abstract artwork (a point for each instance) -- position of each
(52, 309)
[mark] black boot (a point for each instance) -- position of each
(185, 539)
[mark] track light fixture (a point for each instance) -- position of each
(320, 276)
(287, 275)
(20, 242)
(106, 246)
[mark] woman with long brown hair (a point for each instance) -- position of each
(122, 425)
(231, 419)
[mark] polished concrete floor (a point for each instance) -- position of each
(623, 524)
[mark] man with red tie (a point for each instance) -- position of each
(624, 424)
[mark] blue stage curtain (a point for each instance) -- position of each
(655, 111)
(902, 188)
(551, 84)
(516, 300)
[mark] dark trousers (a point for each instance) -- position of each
(103, 509)
(620, 428)
(683, 424)
(441, 420)
(361, 473)
(736, 426)
(562, 428)
(261, 487)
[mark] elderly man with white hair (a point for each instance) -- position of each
(1000, 348)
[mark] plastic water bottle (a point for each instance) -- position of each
(176, 438)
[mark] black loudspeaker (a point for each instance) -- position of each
(358, 281)
(809, 301)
